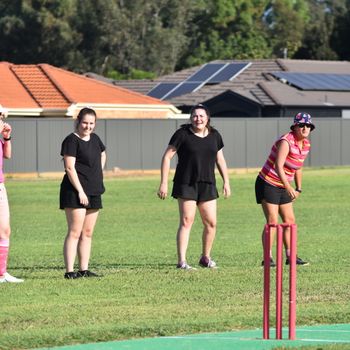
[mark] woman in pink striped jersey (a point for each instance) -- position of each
(5, 230)
(273, 187)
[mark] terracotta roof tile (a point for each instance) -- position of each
(49, 87)
(12, 92)
(39, 86)
(80, 89)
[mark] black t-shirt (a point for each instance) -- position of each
(87, 163)
(196, 155)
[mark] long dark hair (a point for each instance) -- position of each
(82, 113)
(206, 109)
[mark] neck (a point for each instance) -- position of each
(202, 133)
(83, 137)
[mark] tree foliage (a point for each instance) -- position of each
(129, 38)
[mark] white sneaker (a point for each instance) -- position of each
(10, 279)
(185, 266)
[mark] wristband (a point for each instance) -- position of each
(7, 139)
(298, 190)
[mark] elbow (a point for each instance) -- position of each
(69, 169)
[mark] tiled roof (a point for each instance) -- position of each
(12, 91)
(42, 86)
(82, 89)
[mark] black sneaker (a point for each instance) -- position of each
(71, 275)
(272, 263)
(204, 261)
(87, 273)
(300, 262)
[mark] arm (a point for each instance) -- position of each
(6, 134)
(69, 164)
(164, 171)
(221, 164)
(297, 180)
(103, 159)
(282, 153)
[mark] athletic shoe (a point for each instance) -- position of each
(7, 278)
(71, 275)
(185, 266)
(87, 273)
(272, 263)
(204, 261)
(300, 262)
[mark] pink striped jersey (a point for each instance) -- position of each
(2, 178)
(294, 161)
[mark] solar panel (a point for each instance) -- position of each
(229, 72)
(206, 72)
(184, 88)
(162, 89)
(316, 81)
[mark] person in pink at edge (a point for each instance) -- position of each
(5, 229)
(199, 147)
(273, 187)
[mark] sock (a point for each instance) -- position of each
(4, 252)
(287, 253)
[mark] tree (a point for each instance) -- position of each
(37, 31)
(324, 18)
(286, 21)
(227, 29)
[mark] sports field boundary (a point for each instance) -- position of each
(237, 340)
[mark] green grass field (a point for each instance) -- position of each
(141, 293)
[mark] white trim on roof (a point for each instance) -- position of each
(123, 107)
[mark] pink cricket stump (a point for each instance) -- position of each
(293, 282)
(266, 315)
(279, 280)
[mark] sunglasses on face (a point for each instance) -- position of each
(301, 125)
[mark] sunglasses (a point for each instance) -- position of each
(301, 125)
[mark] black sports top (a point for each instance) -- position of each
(196, 155)
(87, 163)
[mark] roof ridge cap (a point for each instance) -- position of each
(11, 68)
(57, 85)
(282, 65)
(268, 91)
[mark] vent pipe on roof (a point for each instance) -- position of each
(285, 53)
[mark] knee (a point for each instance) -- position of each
(289, 220)
(87, 233)
(210, 224)
(186, 221)
(5, 233)
(74, 234)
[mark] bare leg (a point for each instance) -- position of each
(84, 245)
(187, 211)
(287, 214)
(271, 215)
(75, 221)
(207, 211)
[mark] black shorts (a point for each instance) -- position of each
(199, 192)
(70, 199)
(271, 194)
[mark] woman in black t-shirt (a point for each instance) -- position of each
(198, 147)
(81, 189)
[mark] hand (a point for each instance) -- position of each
(293, 194)
(226, 190)
(5, 129)
(163, 191)
(83, 199)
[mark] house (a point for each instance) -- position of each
(255, 88)
(42, 90)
